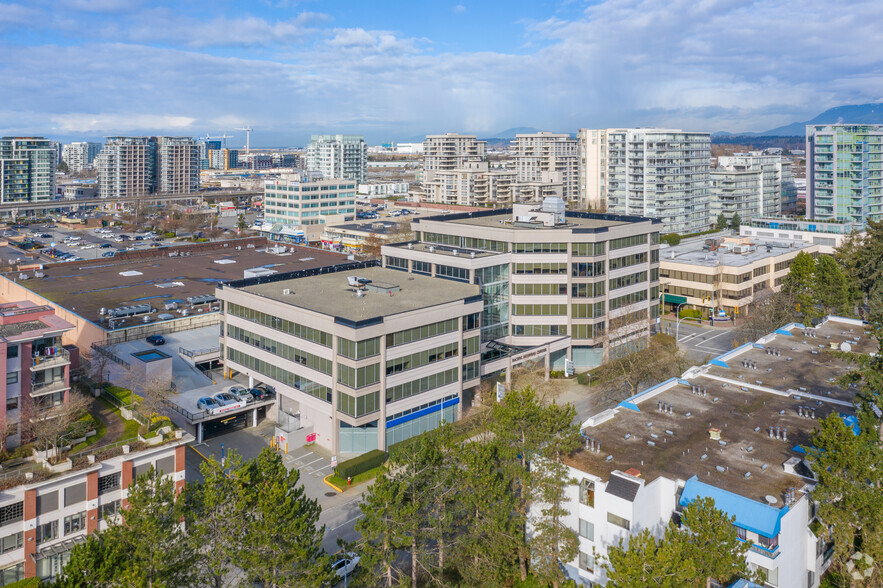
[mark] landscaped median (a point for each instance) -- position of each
(357, 470)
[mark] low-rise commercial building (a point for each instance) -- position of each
(720, 432)
(358, 237)
(724, 273)
(827, 234)
(300, 200)
(361, 357)
(547, 275)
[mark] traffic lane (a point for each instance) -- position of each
(702, 338)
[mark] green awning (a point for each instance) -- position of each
(672, 299)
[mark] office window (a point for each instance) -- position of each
(12, 377)
(11, 542)
(12, 574)
(74, 494)
(12, 513)
(47, 532)
(109, 483)
(586, 562)
(12, 351)
(109, 509)
(586, 530)
(74, 523)
(12, 403)
(47, 502)
(618, 521)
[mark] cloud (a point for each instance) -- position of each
(16, 14)
(89, 122)
(459, 9)
(697, 64)
(103, 5)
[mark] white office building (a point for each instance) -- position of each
(655, 173)
(80, 156)
(297, 200)
(339, 156)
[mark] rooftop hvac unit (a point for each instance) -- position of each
(124, 311)
(201, 299)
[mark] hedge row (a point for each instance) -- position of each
(362, 463)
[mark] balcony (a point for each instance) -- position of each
(41, 388)
(770, 552)
(59, 357)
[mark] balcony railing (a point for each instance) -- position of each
(61, 356)
(770, 552)
(48, 387)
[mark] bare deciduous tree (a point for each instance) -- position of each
(50, 427)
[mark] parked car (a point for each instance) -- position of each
(259, 394)
(105, 246)
(45, 236)
(207, 403)
(345, 565)
(108, 254)
(225, 398)
(240, 393)
(156, 340)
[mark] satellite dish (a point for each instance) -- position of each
(845, 347)
(771, 499)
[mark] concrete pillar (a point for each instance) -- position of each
(91, 502)
(254, 417)
(250, 381)
(509, 372)
(199, 432)
(547, 364)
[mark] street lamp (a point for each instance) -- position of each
(678, 320)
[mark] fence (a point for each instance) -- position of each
(194, 352)
(109, 355)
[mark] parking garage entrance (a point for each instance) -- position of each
(233, 422)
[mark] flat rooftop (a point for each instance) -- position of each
(86, 287)
(503, 218)
(743, 403)
(331, 293)
(444, 250)
(692, 252)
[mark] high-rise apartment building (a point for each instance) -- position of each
(776, 182)
(80, 156)
(177, 165)
(456, 171)
(135, 166)
(656, 173)
(27, 169)
(844, 172)
(736, 192)
(127, 167)
(339, 156)
(546, 165)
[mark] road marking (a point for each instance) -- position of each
(312, 462)
(688, 337)
(323, 467)
(201, 454)
(347, 522)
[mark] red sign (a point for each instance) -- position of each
(311, 437)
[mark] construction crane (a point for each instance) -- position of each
(223, 137)
(248, 131)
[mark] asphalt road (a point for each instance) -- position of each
(703, 342)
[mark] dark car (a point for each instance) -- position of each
(266, 390)
(108, 254)
(259, 394)
(105, 246)
(156, 340)
(45, 236)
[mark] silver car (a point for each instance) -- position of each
(240, 393)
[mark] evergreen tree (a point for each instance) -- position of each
(382, 507)
(241, 223)
(552, 542)
(524, 429)
(213, 519)
(704, 551)
(799, 284)
(149, 548)
(831, 286)
(281, 545)
(721, 222)
(735, 222)
(485, 554)
(846, 465)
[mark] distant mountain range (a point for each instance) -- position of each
(851, 113)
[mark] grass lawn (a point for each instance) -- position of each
(122, 394)
(363, 477)
(100, 430)
(131, 429)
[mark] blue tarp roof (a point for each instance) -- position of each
(751, 515)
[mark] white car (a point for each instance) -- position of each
(345, 565)
(88, 247)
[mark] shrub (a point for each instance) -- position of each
(690, 313)
(584, 379)
(367, 461)
(672, 239)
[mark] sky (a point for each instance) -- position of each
(394, 71)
